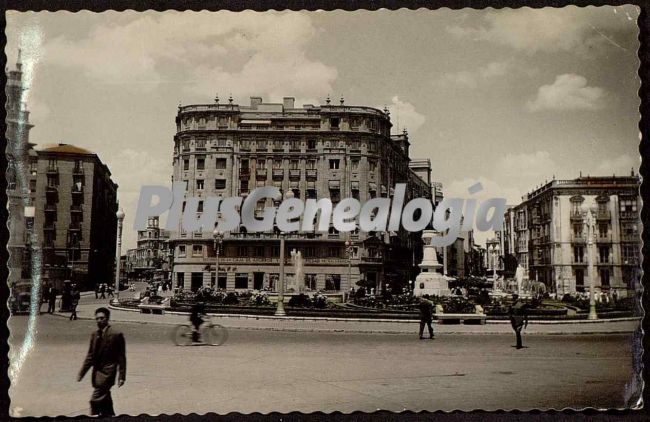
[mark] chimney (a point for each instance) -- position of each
(287, 102)
(255, 101)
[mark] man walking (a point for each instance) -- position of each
(74, 300)
(106, 353)
(51, 299)
(426, 311)
(518, 318)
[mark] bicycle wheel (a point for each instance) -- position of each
(215, 334)
(182, 335)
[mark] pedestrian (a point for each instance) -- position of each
(426, 314)
(51, 299)
(75, 296)
(109, 290)
(96, 291)
(106, 353)
(102, 290)
(44, 297)
(518, 318)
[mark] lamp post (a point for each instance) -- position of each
(218, 239)
(118, 252)
(349, 249)
(589, 212)
(279, 311)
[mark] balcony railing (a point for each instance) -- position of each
(278, 173)
(260, 174)
(78, 170)
(607, 238)
(75, 226)
(576, 215)
(50, 207)
(52, 170)
(629, 214)
(578, 238)
(77, 190)
(312, 173)
(630, 238)
(294, 174)
(603, 215)
(76, 208)
(244, 173)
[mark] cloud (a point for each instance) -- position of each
(550, 29)
(471, 79)
(243, 53)
(568, 92)
(620, 166)
(526, 170)
(404, 116)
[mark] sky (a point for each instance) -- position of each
(510, 98)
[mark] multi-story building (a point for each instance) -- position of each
(328, 151)
(549, 233)
(75, 202)
(150, 259)
(19, 205)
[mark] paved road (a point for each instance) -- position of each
(268, 371)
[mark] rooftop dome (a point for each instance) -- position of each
(66, 149)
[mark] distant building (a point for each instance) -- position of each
(75, 223)
(327, 151)
(149, 260)
(548, 233)
(19, 204)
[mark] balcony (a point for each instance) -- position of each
(580, 262)
(77, 190)
(52, 170)
(604, 215)
(278, 174)
(294, 174)
(49, 226)
(75, 226)
(78, 170)
(76, 208)
(536, 220)
(243, 192)
(260, 174)
(312, 174)
(50, 207)
(244, 173)
(576, 215)
(606, 238)
(629, 215)
(630, 238)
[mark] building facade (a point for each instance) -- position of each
(75, 204)
(328, 151)
(548, 233)
(19, 205)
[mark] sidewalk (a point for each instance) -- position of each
(307, 324)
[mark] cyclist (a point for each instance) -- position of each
(196, 318)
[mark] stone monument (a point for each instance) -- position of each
(429, 281)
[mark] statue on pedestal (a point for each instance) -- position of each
(429, 281)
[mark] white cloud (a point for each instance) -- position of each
(568, 92)
(404, 115)
(471, 79)
(570, 28)
(243, 53)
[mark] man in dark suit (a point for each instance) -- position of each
(106, 353)
(426, 311)
(51, 299)
(518, 318)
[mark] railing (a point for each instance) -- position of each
(279, 173)
(604, 239)
(578, 238)
(629, 214)
(630, 238)
(52, 170)
(50, 207)
(75, 226)
(76, 208)
(260, 174)
(78, 170)
(294, 173)
(576, 215)
(312, 173)
(603, 215)
(368, 259)
(244, 172)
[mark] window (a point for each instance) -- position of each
(186, 164)
(259, 251)
(578, 254)
(333, 252)
(222, 142)
(311, 144)
(52, 181)
(577, 230)
(200, 143)
(310, 252)
(333, 282)
(32, 186)
(372, 146)
(182, 252)
(241, 281)
(603, 230)
(221, 184)
(604, 277)
(245, 144)
(580, 277)
(334, 164)
(261, 164)
(261, 145)
(51, 164)
(199, 184)
(277, 164)
(186, 144)
(199, 207)
(334, 122)
(294, 164)
(311, 164)
(180, 280)
(603, 252)
(310, 281)
(335, 196)
(200, 162)
(354, 164)
(197, 250)
(372, 165)
(221, 163)
(630, 254)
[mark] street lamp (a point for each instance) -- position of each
(118, 251)
(495, 251)
(589, 212)
(218, 239)
(349, 249)
(280, 309)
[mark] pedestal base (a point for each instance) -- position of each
(432, 283)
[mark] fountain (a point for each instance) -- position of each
(298, 282)
(429, 281)
(519, 277)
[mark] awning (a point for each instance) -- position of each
(372, 186)
(260, 183)
(311, 185)
(277, 184)
(335, 184)
(354, 185)
(383, 189)
(294, 184)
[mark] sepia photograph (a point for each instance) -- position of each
(323, 211)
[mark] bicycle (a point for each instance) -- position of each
(211, 334)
